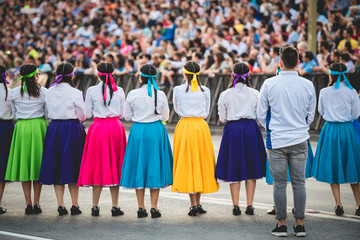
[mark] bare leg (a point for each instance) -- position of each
(96, 195)
(140, 195)
(37, 191)
(59, 192)
(2, 187)
(336, 193)
(27, 192)
(354, 187)
(193, 199)
(198, 195)
(74, 193)
(154, 195)
(235, 193)
(250, 191)
(114, 191)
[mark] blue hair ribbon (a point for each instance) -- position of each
(152, 81)
(346, 81)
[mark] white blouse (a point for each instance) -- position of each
(139, 107)
(239, 102)
(339, 105)
(94, 103)
(191, 104)
(27, 107)
(65, 102)
(5, 106)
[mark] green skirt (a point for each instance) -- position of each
(26, 150)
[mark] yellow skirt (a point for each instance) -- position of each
(194, 159)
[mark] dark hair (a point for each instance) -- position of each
(220, 58)
(339, 67)
(309, 55)
(64, 69)
(149, 69)
(193, 67)
(345, 57)
(33, 88)
(106, 67)
(210, 62)
(289, 56)
(349, 31)
(240, 69)
(3, 71)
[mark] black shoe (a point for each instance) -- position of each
(37, 209)
(236, 210)
(271, 211)
(193, 211)
(299, 231)
(357, 212)
(200, 209)
(2, 210)
(293, 211)
(75, 210)
(95, 211)
(142, 213)
(280, 231)
(116, 211)
(62, 211)
(250, 210)
(29, 210)
(339, 210)
(155, 213)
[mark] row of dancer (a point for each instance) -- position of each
(106, 159)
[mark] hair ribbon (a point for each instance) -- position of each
(194, 83)
(112, 82)
(4, 77)
(237, 76)
(346, 81)
(59, 78)
(152, 81)
(29, 75)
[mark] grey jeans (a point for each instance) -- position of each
(295, 157)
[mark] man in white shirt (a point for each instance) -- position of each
(286, 109)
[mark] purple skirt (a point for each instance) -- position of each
(6, 133)
(242, 152)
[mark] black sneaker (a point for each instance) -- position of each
(236, 210)
(37, 209)
(142, 213)
(155, 213)
(95, 211)
(116, 211)
(75, 210)
(200, 209)
(29, 210)
(280, 231)
(193, 211)
(62, 211)
(357, 212)
(249, 210)
(2, 210)
(271, 211)
(339, 210)
(299, 231)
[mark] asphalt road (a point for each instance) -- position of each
(218, 223)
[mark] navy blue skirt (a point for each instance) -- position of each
(63, 148)
(242, 152)
(6, 133)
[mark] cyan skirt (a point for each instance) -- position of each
(148, 158)
(6, 133)
(63, 149)
(356, 125)
(337, 157)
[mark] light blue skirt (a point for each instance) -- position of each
(337, 157)
(309, 162)
(148, 158)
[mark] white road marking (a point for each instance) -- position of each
(23, 236)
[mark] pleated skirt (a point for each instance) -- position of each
(6, 133)
(337, 157)
(242, 154)
(103, 154)
(356, 125)
(63, 149)
(26, 150)
(194, 160)
(148, 158)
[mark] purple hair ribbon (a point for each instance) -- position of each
(237, 76)
(4, 77)
(59, 78)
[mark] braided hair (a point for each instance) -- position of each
(2, 80)
(240, 69)
(193, 67)
(106, 67)
(33, 88)
(339, 67)
(149, 69)
(66, 68)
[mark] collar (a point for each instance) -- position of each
(289, 73)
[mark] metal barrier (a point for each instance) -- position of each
(217, 85)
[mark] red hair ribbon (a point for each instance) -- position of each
(112, 82)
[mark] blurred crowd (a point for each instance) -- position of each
(216, 34)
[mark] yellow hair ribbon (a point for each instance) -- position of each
(194, 84)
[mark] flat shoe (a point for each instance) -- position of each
(142, 213)
(193, 211)
(75, 210)
(236, 210)
(200, 209)
(37, 209)
(116, 211)
(2, 210)
(155, 213)
(339, 210)
(271, 211)
(250, 210)
(95, 211)
(62, 211)
(29, 210)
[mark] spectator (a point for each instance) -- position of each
(308, 63)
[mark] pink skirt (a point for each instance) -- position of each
(103, 154)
